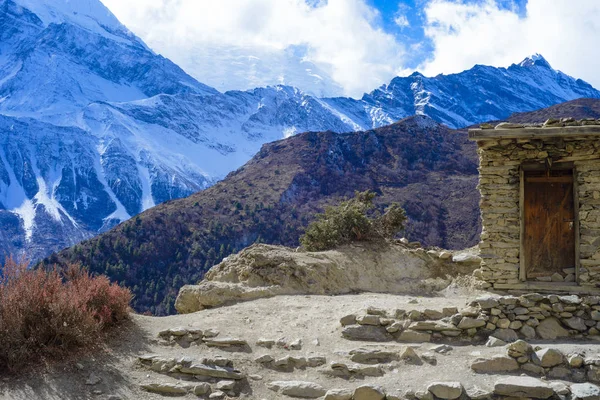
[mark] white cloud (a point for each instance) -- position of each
(565, 32)
(401, 21)
(214, 40)
(320, 45)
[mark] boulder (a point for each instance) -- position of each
(585, 391)
(523, 386)
(349, 319)
(549, 357)
(414, 336)
(192, 298)
(468, 323)
(170, 389)
(264, 359)
(528, 332)
(372, 356)
(519, 348)
(494, 365)
(559, 372)
(366, 332)
(338, 394)
(550, 329)
(433, 314)
(507, 335)
(225, 385)
(446, 390)
(201, 389)
(302, 389)
(369, 392)
(576, 323)
(487, 302)
(368, 320)
(476, 393)
(575, 360)
(409, 355)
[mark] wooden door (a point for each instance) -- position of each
(549, 216)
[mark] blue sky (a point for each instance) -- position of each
(354, 46)
(406, 20)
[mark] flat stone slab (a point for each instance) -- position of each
(214, 371)
(167, 388)
(369, 392)
(437, 326)
(372, 356)
(302, 389)
(523, 386)
(495, 364)
(366, 332)
(446, 390)
(225, 342)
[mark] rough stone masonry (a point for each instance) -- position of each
(499, 183)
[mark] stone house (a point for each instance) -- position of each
(540, 205)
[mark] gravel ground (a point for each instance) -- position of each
(313, 319)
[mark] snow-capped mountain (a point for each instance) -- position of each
(245, 68)
(480, 94)
(95, 127)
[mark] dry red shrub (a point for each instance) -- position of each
(45, 312)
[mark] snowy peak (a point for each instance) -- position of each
(88, 14)
(535, 60)
(95, 127)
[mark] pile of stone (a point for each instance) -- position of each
(281, 343)
(504, 319)
(219, 371)
(541, 316)
(410, 326)
(289, 363)
(193, 337)
(549, 362)
(513, 388)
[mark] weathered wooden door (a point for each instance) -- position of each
(549, 216)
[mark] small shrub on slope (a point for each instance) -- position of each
(44, 313)
(350, 221)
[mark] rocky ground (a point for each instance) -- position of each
(294, 344)
(371, 321)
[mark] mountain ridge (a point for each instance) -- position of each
(121, 129)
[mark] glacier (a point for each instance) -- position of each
(95, 127)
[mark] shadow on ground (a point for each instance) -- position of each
(82, 375)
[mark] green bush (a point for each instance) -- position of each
(352, 220)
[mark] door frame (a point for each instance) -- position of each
(525, 167)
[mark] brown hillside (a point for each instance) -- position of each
(430, 169)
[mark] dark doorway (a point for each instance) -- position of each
(549, 222)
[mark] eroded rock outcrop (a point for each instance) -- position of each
(263, 271)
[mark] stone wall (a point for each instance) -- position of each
(499, 184)
(499, 319)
